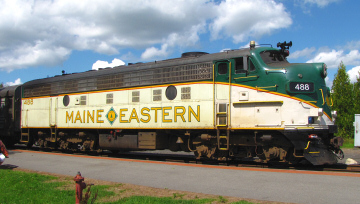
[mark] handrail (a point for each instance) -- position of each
(228, 106)
(214, 108)
(221, 113)
(265, 87)
(322, 94)
(246, 77)
(332, 102)
(282, 70)
(247, 102)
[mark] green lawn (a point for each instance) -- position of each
(348, 143)
(21, 187)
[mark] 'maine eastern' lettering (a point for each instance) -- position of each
(167, 114)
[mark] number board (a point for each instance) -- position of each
(301, 87)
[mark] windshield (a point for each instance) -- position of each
(272, 56)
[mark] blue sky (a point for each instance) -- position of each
(39, 39)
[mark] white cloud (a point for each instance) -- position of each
(354, 74)
(328, 82)
(333, 58)
(50, 30)
(16, 82)
(152, 52)
(44, 33)
(352, 45)
(103, 64)
(320, 3)
(252, 19)
(27, 55)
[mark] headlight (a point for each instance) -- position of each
(324, 71)
(334, 114)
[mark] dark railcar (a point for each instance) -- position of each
(10, 110)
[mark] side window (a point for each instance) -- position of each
(239, 66)
(82, 100)
(157, 95)
(222, 68)
(186, 93)
(135, 96)
(251, 65)
(109, 98)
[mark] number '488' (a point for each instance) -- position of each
(302, 87)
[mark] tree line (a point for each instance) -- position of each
(346, 99)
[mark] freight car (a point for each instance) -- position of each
(247, 103)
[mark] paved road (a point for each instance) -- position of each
(281, 186)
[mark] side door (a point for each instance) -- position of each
(222, 89)
(53, 111)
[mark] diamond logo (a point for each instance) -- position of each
(111, 115)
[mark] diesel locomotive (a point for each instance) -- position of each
(237, 104)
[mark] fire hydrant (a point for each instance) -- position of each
(80, 186)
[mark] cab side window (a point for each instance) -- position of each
(251, 65)
(239, 66)
(222, 68)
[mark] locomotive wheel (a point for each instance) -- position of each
(41, 143)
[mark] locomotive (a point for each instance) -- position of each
(249, 103)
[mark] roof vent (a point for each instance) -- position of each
(193, 54)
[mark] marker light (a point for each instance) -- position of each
(286, 53)
(313, 136)
(324, 71)
(334, 114)
(252, 44)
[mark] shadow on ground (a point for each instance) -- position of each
(8, 166)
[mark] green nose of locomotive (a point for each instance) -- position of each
(307, 82)
(303, 81)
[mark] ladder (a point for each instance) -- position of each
(222, 124)
(53, 133)
(25, 135)
(223, 140)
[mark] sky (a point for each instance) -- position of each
(40, 39)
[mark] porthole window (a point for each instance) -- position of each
(66, 100)
(171, 92)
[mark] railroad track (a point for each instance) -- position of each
(188, 158)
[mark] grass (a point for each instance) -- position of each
(348, 143)
(155, 200)
(23, 187)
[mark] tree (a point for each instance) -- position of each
(1, 85)
(356, 95)
(343, 102)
